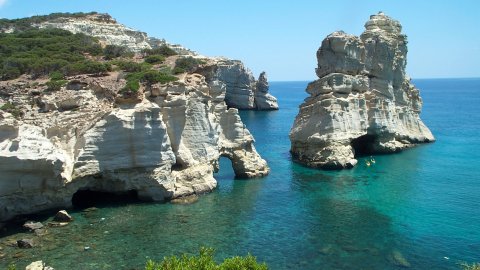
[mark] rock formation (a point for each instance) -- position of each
(263, 100)
(243, 92)
(240, 84)
(363, 102)
(163, 144)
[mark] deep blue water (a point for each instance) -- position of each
(422, 204)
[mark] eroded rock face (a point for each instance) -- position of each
(242, 90)
(363, 102)
(164, 146)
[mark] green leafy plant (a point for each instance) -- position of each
(188, 64)
(178, 70)
(40, 52)
(154, 59)
(11, 108)
(56, 75)
(115, 51)
(205, 261)
(162, 50)
(55, 85)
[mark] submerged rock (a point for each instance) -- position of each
(25, 243)
(32, 226)
(186, 200)
(363, 102)
(399, 260)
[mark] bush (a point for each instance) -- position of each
(130, 66)
(153, 76)
(178, 70)
(188, 64)
(114, 51)
(154, 59)
(55, 85)
(132, 86)
(11, 108)
(42, 51)
(55, 76)
(87, 67)
(205, 261)
(162, 50)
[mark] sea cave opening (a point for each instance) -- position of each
(225, 171)
(363, 145)
(86, 198)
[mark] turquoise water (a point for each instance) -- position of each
(422, 204)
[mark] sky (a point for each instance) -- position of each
(281, 37)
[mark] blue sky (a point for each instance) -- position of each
(282, 37)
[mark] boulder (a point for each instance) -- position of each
(25, 243)
(62, 216)
(32, 226)
(38, 265)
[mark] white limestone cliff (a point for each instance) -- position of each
(363, 101)
(163, 146)
(242, 90)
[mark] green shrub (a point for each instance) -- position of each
(132, 86)
(162, 50)
(130, 66)
(154, 59)
(153, 76)
(188, 64)
(178, 70)
(87, 67)
(55, 76)
(55, 85)
(42, 51)
(114, 51)
(11, 108)
(205, 261)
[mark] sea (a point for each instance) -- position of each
(418, 209)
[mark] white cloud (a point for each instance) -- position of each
(2, 3)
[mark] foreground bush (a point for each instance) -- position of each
(205, 261)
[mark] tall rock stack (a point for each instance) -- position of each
(362, 103)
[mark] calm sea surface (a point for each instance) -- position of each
(420, 207)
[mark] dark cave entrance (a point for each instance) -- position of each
(89, 198)
(363, 145)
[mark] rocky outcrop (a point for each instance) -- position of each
(363, 102)
(163, 146)
(241, 86)
(242, 90)
(263, 99)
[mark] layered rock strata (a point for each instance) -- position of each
(241, 86)
(362, 103)
(164, 145)
(243, 91)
